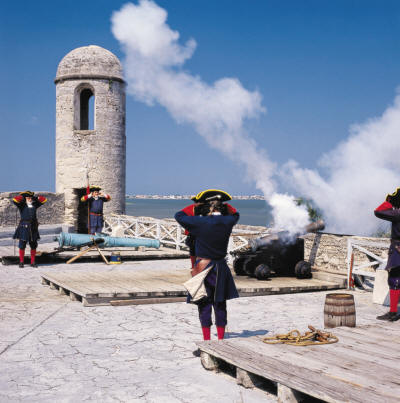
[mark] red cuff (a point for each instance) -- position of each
(189, 210)
(384, 206)
(18, 199)
(231, 209)
(42, 199)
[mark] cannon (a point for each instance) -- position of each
(79, 240)
(275, 254)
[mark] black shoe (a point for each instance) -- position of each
(196, 353)
(394, 318)
(388, 316)
(34, 265)
(21, 264)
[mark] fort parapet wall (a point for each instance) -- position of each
(328, 252)
(52, 212)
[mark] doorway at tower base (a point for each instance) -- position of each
(82, 211)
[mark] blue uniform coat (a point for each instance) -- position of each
(393, 215)
(95, 211)
(27, 229)
(96, 207)
(211, 242)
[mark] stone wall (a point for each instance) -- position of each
(51, 212)
(328, 252)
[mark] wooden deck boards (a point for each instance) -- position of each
(102, 286)
(356, 369)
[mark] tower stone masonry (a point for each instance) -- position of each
(90, 135)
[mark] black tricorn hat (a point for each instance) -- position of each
(27, 193)
(394, 198)
(94, 188)
(212, 194)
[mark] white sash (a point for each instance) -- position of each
(195, 286)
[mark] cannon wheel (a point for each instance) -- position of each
(262, 272)
(303, 269)
(249, 265)
(238, 265)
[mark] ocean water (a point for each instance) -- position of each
(252, 212)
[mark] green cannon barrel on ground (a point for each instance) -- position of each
(67, 239)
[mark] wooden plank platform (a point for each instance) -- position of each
(100, 287)
(362, 367)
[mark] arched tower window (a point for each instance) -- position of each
(87, 109)
(84, 108)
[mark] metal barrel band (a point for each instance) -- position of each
(350, 313)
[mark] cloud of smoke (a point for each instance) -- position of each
(287, 214)
(154, 74)
(153, 69)
(359, 173)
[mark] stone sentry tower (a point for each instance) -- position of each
(90, 130)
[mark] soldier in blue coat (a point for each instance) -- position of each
(27, 230)
(389, 210)
(96, 201)
(211, 228)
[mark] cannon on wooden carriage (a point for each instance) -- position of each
(102, 240)
(275, 255)
(97, 241)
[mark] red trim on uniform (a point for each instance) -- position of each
(33, 255)
(21, 255)
(42, 199)
(206, 333)
(394, 300)
(220, 332)
(384, 206)
(189, 210)
(231, 209)
(18, 199)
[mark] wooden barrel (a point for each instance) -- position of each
(339, 310)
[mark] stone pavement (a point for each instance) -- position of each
(56, 350)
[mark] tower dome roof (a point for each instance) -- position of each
(89, 62)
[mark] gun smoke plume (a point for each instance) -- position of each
(153, 69)
(359, 173)
(218, 112)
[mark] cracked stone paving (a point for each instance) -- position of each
(53, 349)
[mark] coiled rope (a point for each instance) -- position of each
(295, 338)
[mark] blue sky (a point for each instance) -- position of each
(319, 65)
